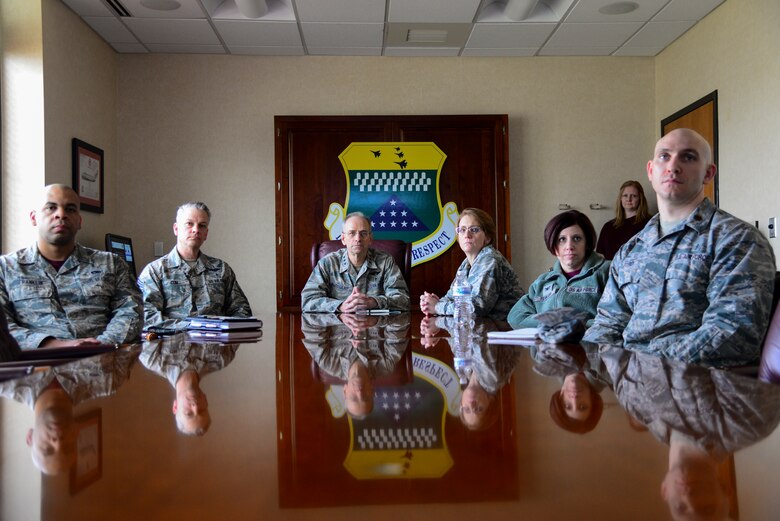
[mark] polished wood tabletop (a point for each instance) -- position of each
(385, 417)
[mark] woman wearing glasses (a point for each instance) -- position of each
(494, 285)
(578, 277)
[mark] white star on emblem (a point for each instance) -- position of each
(396, 395)
(414, 223)
(403, 223)
(392, 202)
(381, 224)
(407, 406)
(397, 417)
(373, 224)
(403, 212)
(392, 214)
(385, 406)
(392, 224)
(382, 213)
(417, 395)
(407, 395)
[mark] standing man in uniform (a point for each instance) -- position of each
(187, 282)
(357, 277)
(59, 293)
(696, 283)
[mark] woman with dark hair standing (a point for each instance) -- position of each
(631, 215)
(578, 277)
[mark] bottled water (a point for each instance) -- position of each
(461, 293)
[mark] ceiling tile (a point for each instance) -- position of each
(509, 35)
(638, 51)
(278, 11)
(588, 11)
(258, 33)
(110, 29)
(185, 49)
(432, 11)
(345, 51)
(422, 51)
(545, 11)
(158, 30)
(88, 7)
(686, 10)
(455, 35)
(129, 48)
(266, 51)
(500, 52)
(659, 34)
(342, 35)
(341, 10)
(187, 9)
(576, 51)
(592, 35)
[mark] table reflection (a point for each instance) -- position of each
(183, 364)
(397, 415)
(52, 394)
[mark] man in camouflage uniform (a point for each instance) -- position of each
(58, 292)
(696, 284)
(184, 364)
(357, 277)
(53, 393)
(187, 282)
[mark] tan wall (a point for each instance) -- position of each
(23, 116)
(80, 101)
(201, 127)
(734, 51)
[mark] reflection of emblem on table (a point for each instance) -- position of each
(404, 437)
(397, 186)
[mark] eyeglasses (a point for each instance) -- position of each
(351, 233)
(461, 230)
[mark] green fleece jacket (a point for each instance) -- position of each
(552, 290)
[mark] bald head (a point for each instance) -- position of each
(691, 136)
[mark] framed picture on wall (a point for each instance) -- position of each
(88, 175)
(89, 451)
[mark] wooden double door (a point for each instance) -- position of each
(310, 176)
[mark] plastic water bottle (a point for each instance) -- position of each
(461, 293)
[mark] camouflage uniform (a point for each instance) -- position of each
(552, 290)
(173, 356)
(174, 291)
(82, 380)
(330, 282)
(700, 294)
(92, 295)
(494, 286)
(719, 411)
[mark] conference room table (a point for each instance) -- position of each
(288, 440)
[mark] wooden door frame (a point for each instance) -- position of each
(395, 126)
(670, 120)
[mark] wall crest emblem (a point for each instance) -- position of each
(397, 186)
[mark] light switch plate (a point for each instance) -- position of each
(772, 227)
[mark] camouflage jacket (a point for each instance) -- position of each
(330, 284)
(700, 294)
(82, 380)
(552, 290)
(92, 295)
(172, 356)
(494, 286)
(173, 291)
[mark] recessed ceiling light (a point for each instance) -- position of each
(161, 5)
(619, 8)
